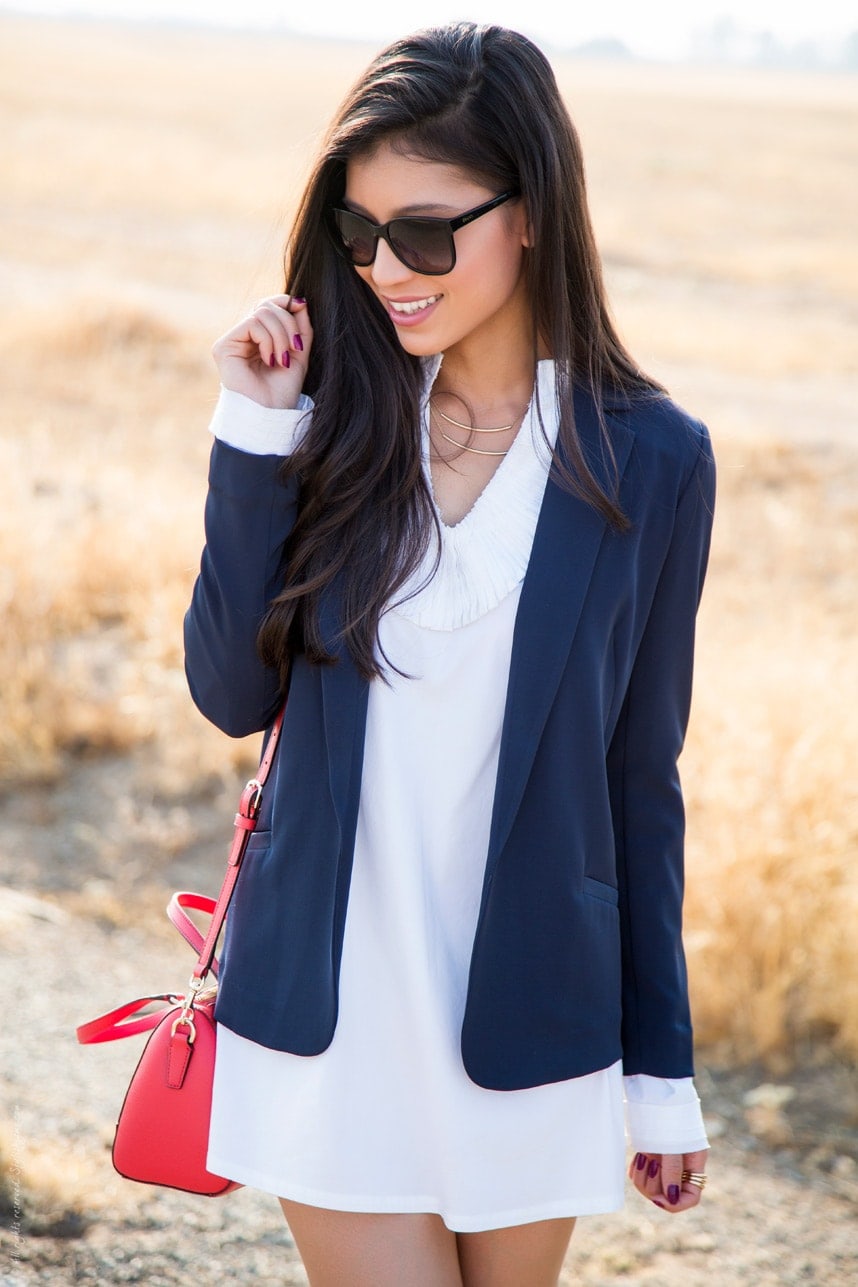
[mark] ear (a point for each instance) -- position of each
(527, 237)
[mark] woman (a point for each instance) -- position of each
(447, 507)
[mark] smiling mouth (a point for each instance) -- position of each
(413, 305)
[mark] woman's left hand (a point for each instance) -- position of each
(658, 1176)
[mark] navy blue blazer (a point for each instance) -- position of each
(577, 958)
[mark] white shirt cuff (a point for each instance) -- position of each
(663, 1115)
(261, 431)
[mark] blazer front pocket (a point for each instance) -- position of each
(601, 890)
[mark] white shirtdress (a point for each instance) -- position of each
(386, 1119)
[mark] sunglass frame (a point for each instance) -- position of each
(382, 232)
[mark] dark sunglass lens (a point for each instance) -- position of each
(357, 236)
(422, 245)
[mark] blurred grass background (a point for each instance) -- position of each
(148, 179)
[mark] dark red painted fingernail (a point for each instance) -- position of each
(640, 1161)
(298, 343)
(673, 1194)
(285, 358)
(652, 1169)
(660, 1205)
(272, 361)
(298, 299)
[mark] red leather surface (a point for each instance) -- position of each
(162, 1132)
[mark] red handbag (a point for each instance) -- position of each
(163, 1128)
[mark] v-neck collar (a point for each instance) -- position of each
(484, 556)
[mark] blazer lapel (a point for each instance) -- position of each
(568, 535)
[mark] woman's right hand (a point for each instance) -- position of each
(265, 355)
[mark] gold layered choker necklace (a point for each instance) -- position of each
(472, 428)
(477, 451)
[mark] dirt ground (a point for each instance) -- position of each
(780, 1207)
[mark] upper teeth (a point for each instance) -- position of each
(414, 305)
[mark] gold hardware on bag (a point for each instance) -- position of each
(185, 1021)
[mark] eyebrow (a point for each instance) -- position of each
(427, 208)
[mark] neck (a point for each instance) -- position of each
(493, 367)
(493, 396)
(495, 380)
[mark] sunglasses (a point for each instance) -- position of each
(424, 245)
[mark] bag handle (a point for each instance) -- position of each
(119, 1022)
(189, 931)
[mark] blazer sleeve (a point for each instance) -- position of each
(646, 798)
(249, 514)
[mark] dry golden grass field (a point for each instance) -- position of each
(147, 178)
(146, 181)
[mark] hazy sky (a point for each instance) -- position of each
(660, 28)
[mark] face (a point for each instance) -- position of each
(483, 296)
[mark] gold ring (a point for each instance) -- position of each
(696, 1178)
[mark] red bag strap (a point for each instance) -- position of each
(246, 818)
(119, 1022)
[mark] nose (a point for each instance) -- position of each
(388, 271)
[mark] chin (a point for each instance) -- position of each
(419, 345)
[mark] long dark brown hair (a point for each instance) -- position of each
(484, 99)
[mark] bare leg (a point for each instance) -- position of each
(524, 1255)
(356, 1249)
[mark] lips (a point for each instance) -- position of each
(412, 305)
(406, 312)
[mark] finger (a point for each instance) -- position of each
(248, 334)
(292, 302)
(300, 315)
(681, 1194)
(281, 327)
(695, 1163)
(652, 1175)
(269, 327)
(646, 1176)
(294, 305)
(671, 1177)
(656, 1188)
(689, 1197)
(267, 334)
(289, 313)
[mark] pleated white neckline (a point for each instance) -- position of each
(485, 555)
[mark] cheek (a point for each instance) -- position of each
(374, 298)
(493, 275)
